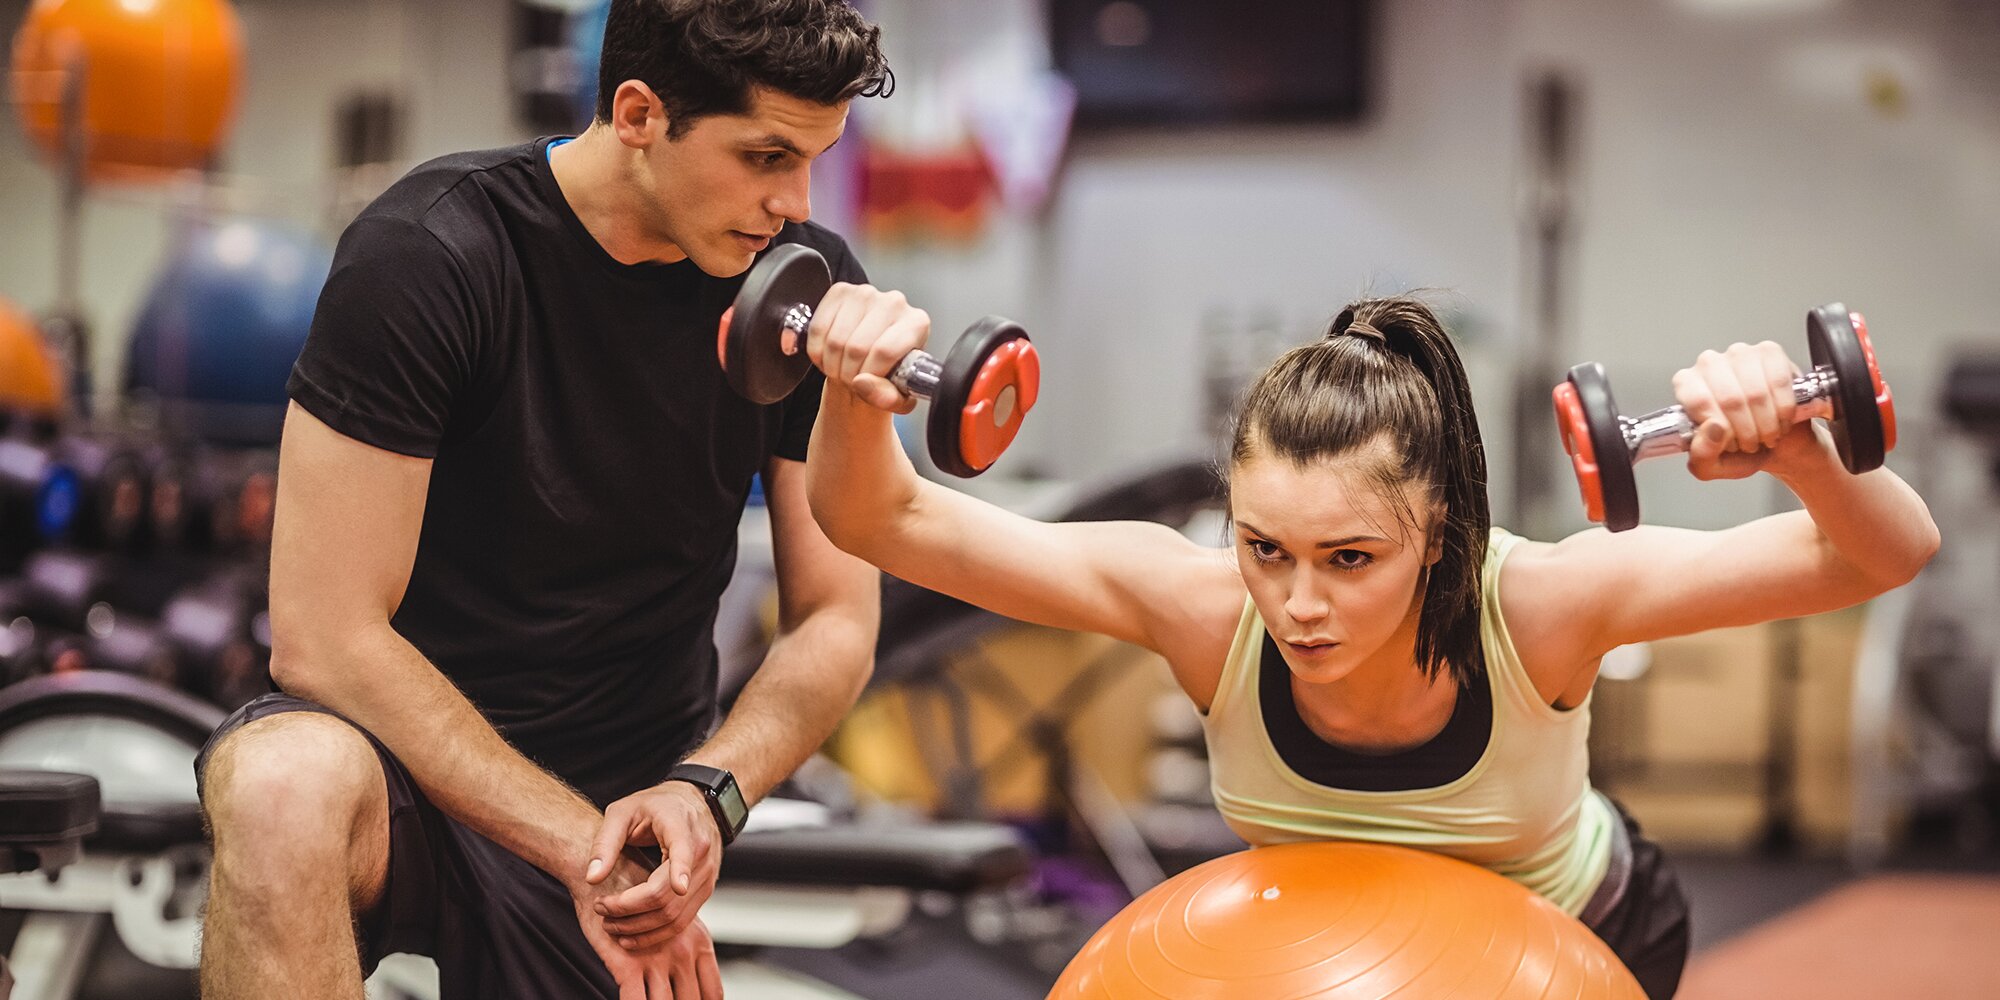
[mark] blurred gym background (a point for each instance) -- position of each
(1166, 194)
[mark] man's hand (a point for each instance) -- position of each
(679, 967)
(859, 334)
(674, 816)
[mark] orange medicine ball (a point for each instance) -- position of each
(159, 80)
(30, 380)
(1337, 921)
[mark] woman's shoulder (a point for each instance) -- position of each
(1526, 582)
(1524, 574)
(1210, 608)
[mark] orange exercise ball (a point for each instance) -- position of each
(1335, 921)
(30, 379)
(158, 81)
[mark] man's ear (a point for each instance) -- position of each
(638, 116)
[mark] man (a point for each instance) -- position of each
(510, 481)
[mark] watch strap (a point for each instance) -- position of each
(711, 781)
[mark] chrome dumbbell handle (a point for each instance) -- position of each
(797, 318)
(1669, 431)
(917, 374)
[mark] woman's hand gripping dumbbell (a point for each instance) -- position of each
(978, 393)
(1844, 387)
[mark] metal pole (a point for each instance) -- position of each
(1551, 103)
(64, 327)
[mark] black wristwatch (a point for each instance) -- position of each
(725, 800)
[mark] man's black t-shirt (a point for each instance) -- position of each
(590, 461)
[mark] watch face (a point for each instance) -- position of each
(730, 798)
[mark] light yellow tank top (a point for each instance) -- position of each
(1525, 810)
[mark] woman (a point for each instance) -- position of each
(1373, 661)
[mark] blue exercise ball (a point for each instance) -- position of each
(225, 319)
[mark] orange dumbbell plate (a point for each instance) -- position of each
(1885, 401)
(1003, 393)
(1587, 418)
(1582, 458)
(989, 380)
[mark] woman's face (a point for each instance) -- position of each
(1331, 562)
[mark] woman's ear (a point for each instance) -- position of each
(1434, 550)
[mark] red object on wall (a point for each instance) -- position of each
(945, 194)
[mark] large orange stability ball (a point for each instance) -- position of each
(158, 80)
(30, 379)
(1338, 921)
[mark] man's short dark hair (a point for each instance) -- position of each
(703, 57)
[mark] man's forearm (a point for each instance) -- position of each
(806, 685)
(379, 680)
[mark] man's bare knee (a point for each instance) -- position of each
(299, 787)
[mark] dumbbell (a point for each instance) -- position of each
(26, 424)
(164, 467)
(978, 393)
(212, 500)
(30, 645)
(89, 611)
(20, 654)
(84, 490)
(106, 491)
(37, 493)
(24, 465)
(1844, 387)
(120, 642)
(63, 586)
(222, 631)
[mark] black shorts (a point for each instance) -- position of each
(497, 926)
(1648, 928)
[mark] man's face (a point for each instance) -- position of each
(727, 185)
